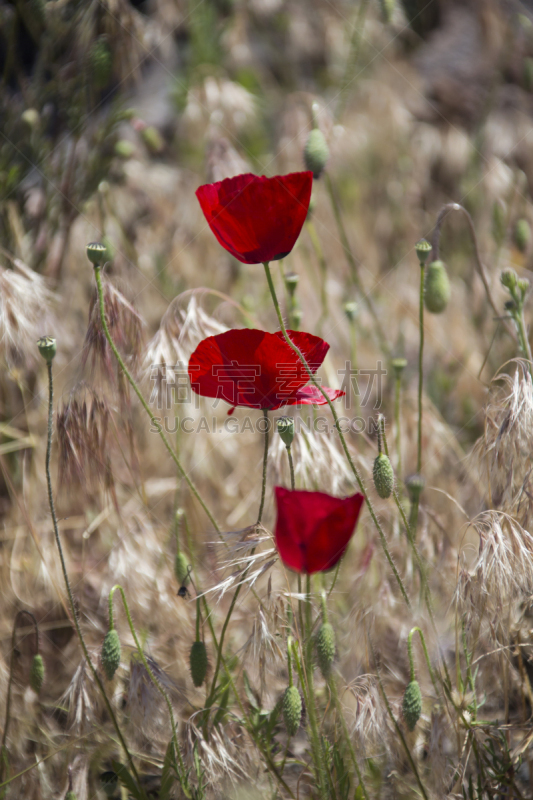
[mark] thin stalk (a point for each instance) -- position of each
(154, 420)
(398, 421)
(356, 280)
(291, 467)
(265, 461)
(523, 339)
(426, 656)
(69, 590)
(184, 783)
(315, 241)
(420, 365)
(340, 434)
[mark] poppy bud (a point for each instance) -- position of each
(198, 662)
(181, 569)
(350, 309)
(509, 279)
(96, 253)
(291, 282)
(498, 222)
(415, 485)
(37, 673)
(100, 63)
(437, 288)
(124, 148)
(47, 348)
(522, 234)
(423, 249)
(412, 704)
(292, 709)
(70, 796)
(285, 427)
(153, 139)
(383, 476)
(110, 654)
(325, 648)
(398, 365)
(316, 152)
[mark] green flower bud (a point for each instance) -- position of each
(292, 710)
(423, 249)
(198, 662)
(351, 310)
(437, 288)
(412, 704)
(47, 348)
(316, 152)
(499, 222)
(124, 148)
(522, 234)
(181, 569)
(383, 476)
(387, 9)
(96, 253)
(37, 673)
(110, 654)
(100, 63)
(325, 648)
(509, 279)
(291, 282)
(285, 428)
(70, 796)
(415, 485)
(153, 139)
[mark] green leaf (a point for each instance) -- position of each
(127, 780)
(249, 691)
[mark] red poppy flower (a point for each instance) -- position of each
(313, 528)
(255, 218)
(258, 369)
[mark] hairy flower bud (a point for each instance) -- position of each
(285, 428)
(96, 253)
(37, 673)
(412, 704)
(423, 249)
(292, 709)
(47, 348)
(110, 653)
(437, 288)
(325, 648)
(198, 662)
(316, 152)
(415, 485)
(383, 474)
(522, 234)
(509, 279)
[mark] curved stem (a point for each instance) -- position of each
(265, 461)
(479, 264)
(153, 419)
(69, 590)
(340, 433)
(184, 783)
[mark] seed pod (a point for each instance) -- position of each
(198, 663)
(325, 648)
(292, 710)
(412, 704)
(383, 476)
(522, 234)
(110, 654)
(316, 152)
(285, 428)
(37, 673)
(47, 348)
(437, 291)
(96, 253)
(181, 569)
(291, 282)
(423, 249)
(100, 63)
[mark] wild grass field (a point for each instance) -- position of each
(219, 579)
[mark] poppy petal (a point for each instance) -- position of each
(256, 218)
(310, 395)
(313, 529)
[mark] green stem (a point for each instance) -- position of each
(340, 434)
(291, 467)
(420, 365)
(184, 783)
(523, 339)
(356, 280)
(155, 422)
(67, 584)
(265, 461)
